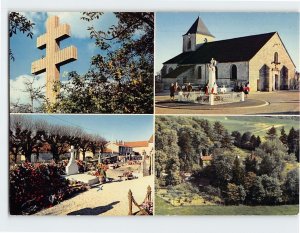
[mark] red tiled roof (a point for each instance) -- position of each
(206, 158)
(137, 144)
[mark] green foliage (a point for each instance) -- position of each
(237, 172)
(222, 166)
(18, 22)
(120, 79)
(235, 194)
(271, 133)
(291, 187)
(272, 153)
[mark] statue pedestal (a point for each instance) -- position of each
(211, 99)
(72, 167)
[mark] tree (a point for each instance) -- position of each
(120, 78)
(293, 142)
(226, 140)
(222, 166)
(35, 93)
(235, 194)
(271, 133)
(237, 138)
(18, 22)
(26, 134)
(272, 153)
(272, 190)
(291, 187)
(15, 143)
(237, 172)
(283, 136)
(251, 164)
(245, 140)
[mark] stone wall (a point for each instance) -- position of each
(265, 56)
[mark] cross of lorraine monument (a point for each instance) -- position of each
(55, 57)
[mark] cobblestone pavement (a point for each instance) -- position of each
(258, 103)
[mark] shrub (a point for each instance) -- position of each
(37, 186)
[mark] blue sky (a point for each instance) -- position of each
(112, 127)
(25, 51)
(171, 26)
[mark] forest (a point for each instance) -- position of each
(199, 157)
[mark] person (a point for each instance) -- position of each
(189, 89)
(172, 91)
(246, 90)
(206, 89)
(241, 88)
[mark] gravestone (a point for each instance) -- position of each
(55, 57)
(33, 158)
(72, 167)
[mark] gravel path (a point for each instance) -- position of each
(112, 200)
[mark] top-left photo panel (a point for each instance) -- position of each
(81, 62)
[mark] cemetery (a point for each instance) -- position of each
(76, 163)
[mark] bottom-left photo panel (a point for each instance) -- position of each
(81, 165)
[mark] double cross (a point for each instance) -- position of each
(55, 57)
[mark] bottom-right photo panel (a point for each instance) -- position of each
(226, 165)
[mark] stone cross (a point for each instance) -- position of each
(72, 167)
(55, 57)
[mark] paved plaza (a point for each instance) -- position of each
(257, 103)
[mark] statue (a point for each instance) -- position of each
(212, 74)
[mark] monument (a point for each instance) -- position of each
(55, 57)
(72, 167)
(212, 75)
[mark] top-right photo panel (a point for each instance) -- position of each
(227, 63)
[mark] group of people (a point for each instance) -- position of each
(175, 87)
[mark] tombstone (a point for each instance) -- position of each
(33, 158)
(72, 167)
(55, 57)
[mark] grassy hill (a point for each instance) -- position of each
(163, 208)
(257, 125)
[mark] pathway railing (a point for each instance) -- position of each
(132, 202)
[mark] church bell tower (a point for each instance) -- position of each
(197, 35)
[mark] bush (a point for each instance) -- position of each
(37, 186)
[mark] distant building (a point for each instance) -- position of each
(260, 60)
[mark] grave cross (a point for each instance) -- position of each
(55, 57)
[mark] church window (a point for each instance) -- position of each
(170, 70)
(199, 72)
(189, 43)
(275, 57)
(233, 73)
(217, 73)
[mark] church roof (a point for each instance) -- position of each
(179, 70)
(198, 27)
(230, 50)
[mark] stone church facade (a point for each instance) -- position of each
(262, 60)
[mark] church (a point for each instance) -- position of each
(260, 60)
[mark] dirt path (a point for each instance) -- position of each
(112, 200)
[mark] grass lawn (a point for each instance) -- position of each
(164, 208)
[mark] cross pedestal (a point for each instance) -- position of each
(72, 167)
(55, 57)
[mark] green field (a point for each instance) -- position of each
(164, 208)
(257, 125)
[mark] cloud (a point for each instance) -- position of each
(35, 17)
(18, 88)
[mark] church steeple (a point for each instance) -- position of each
(196, 35)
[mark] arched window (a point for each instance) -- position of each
(189, 44)
(216, 72)
(233, 73)
(170, 70)
(275, 57)
(199, 72)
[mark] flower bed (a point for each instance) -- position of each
(37, 186)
